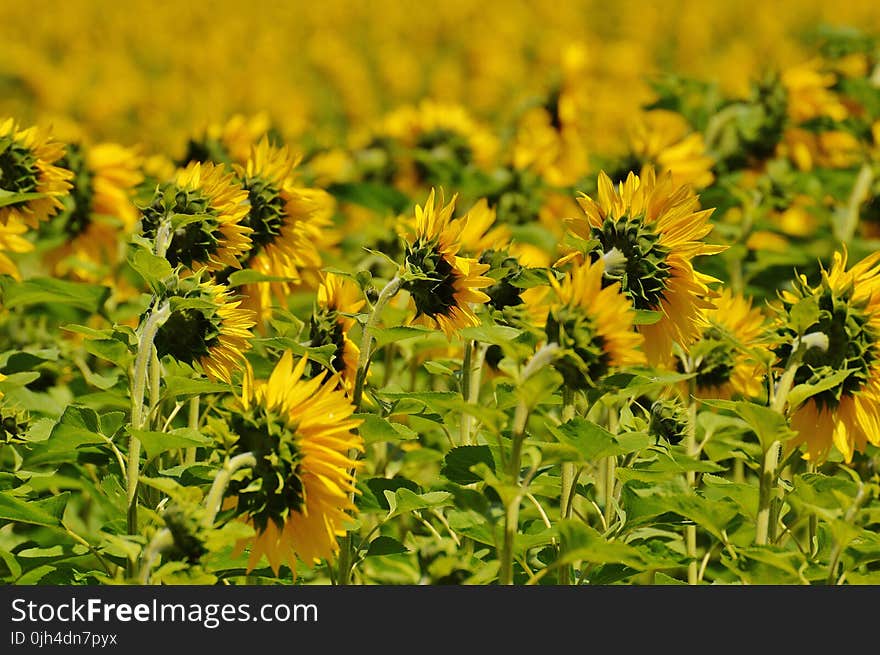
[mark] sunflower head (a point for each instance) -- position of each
(227, 143)
(29, 169)
(337, 299)
(298, 494)
(840, 343)
(668, 420)
(14, 423)
(203, 208)
(593, 325)
(719, 358)
(647, 232)
(206, 327)
(443, 286)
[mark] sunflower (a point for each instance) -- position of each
(338, 298)
(444, 140)
(846, 415)
(287, 224)
(593, 323)
(98, 208)
(648, 231)
(665, 140)
(12, 240)
(298, 495)
(810, 94)
(723, 368)
(229, 142)
(205, 209)
(28, 161)
(206, 327)
(441, 284)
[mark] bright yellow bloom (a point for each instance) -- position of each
(664, 139)
(28, 165)
(447, 285)
(809, 93)
(301, 433)
(848, 414)
(338, 299)
(649, 230)
(11, 240)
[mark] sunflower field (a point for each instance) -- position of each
(496, 293)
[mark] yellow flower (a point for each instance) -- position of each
(204, 208)
(594, 324)
(443, 285)
(828, 149)
(229, 142)
(289, 226)
(723, 368)
(337, 299)
(206, 327)
(298, 495)
(848, 414)
(11, 240)
(664, 139)
(809, 93)
(648, 231)
(99, 208)
(28, 165)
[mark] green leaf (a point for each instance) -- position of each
(404, 501)
(78, 426)
(495, 334)
(581, 542)
(804, 314)
(249, 276)
(152, 268)
(50, 291)
(458, 462)
(384, 336)
(802, 392)
(375, 429)
(585, 441)
(155, 443)
(11, 197)
(34, 513)
(645, 502)
(177, 386)
(768, 426)
(646, 317)
(377, 197)
(383, 545)
(379, 486)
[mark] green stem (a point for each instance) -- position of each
(690, 531)
(193, 424)
(511, 514)
(139, 380)
(214, 499)
(609, 469)
(862, 495)
(363, 364)
(466, 367)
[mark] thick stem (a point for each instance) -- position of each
(139, 380)
(214, 499)
(609, 469)
(511, 514)
(568, 468)
(193, 423)
(765, 493)
(363, 364)
(466, 367)
(690, 531)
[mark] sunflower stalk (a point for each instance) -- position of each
(471, 373)
(569, 472)
(692, 451)
(539, 360)
(363, 365)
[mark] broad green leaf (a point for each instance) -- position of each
(379, 486)
(377, 197)
(249, 276)
(375, 429)
(646, 317)
(383, 545)
(802, 392)
(582, 542)
(34, 513)
(155, 443)
(645, 502)
(585, 441)
(458, 462)
(768, 426)
(384, 336)
(177, 386)
(404, 501)
(153, 269)
(493, 334)
(11, 197)
(51, 291)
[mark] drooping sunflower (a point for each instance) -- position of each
(338, 297)
(28, 165)
(98, 209)
(288, 226)
(206, 327)
(593, 323)
(444, 285)
(298, 495)
(723, 367)
(204, 208)
(12, 240)
(665, 140)
(648, 230)
(846, 415)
